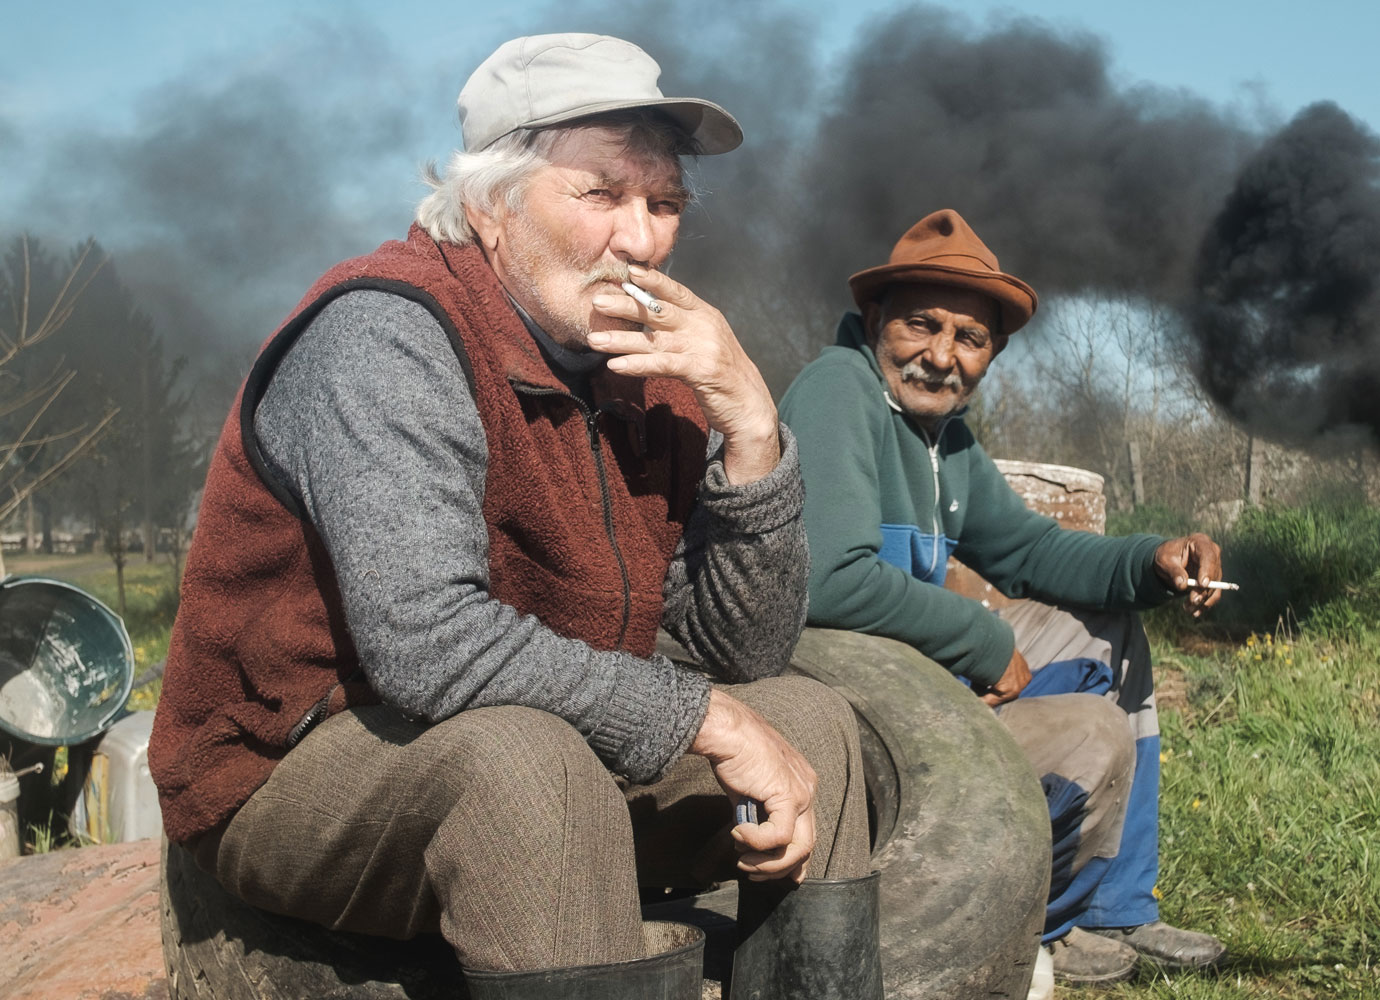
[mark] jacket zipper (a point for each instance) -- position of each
(591, 418)
(932, 449)
(317, 714)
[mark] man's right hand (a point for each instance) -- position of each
(690, 340)
(753, 760)
(1011, 683)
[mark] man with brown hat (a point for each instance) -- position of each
(895, 484)
(413, 683)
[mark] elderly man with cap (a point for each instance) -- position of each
(895, 483)
(413, 682)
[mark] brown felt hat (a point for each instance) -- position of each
(941, 249)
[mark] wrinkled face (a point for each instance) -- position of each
(583, 218)
(934, 344)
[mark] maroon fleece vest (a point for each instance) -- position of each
(584, 505)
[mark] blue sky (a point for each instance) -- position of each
(227, 153)
(88, 62)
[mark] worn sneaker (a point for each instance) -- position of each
(1169, 946)
(1080, 957)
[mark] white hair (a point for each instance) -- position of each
(482, 179)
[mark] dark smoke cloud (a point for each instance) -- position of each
(1081, 185)
(230, 193)
(233, 190)
(1078, 184)
(1287, 310)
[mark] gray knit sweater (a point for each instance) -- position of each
(369, 421)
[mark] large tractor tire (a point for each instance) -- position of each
(217, 947)
(960, 832)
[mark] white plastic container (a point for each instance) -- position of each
(119, 802)
(1042, 982)
(9, 813)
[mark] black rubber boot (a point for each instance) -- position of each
(815, 941)
(672, 972)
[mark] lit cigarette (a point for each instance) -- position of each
(647, 299)
(1214, 584)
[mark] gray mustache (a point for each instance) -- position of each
(917, 373)
(616, 273)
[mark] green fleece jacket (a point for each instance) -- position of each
(885, 506)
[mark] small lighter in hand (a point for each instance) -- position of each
(749, 810)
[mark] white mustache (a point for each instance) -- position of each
(614, 273)
(917, 373)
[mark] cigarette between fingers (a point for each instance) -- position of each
(647, 299)
(1214, 584)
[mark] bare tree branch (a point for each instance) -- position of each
(43, 391)
(59, 310)
(19, 494)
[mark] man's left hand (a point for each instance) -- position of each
(1194, 557)
(691, 341)
(1012, 682)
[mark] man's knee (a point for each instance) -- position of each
(1103, 762)
(1107, 742)
(1082, 743)
(507, 755)
(813, 717)
(526, 794)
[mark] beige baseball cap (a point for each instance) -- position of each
(542, 80)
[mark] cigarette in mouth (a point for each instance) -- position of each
(647, 299)
(1214, 584)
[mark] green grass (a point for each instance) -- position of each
(1270, 817)
(1313, 568)
(1318, 564)
(1270, 797)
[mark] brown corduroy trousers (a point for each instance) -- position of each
(500, 828)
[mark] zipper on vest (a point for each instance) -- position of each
(312, 718)
(591, 418)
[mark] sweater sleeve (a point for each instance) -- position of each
(369, 422)
(736, 588)
(1025, 554)
(839, 421)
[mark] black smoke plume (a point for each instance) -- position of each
(234, 189)
(1078, 183)
(1287, 308)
